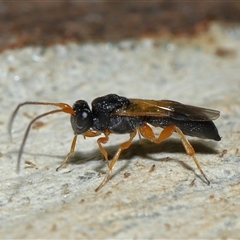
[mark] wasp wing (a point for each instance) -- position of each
(167, 108)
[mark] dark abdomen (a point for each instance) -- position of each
(200, 129)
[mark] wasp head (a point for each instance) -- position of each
(82, 119)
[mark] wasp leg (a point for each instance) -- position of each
(190, 151)
(123, 146)
(147, 132)
(90, 133)
(102, 149)
(70, 152)
(86, 134)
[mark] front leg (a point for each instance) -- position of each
(89, 133)
(70, 152)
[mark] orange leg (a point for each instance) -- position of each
(70, 152)
(86, 134)
(190, 151)
(123, 146)
(104, 140)
(90, 133)
(147, 132)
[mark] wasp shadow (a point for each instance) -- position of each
(141, 149)
(144, 149)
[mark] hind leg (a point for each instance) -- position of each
(147, 132)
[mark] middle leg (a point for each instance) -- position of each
(123, 146)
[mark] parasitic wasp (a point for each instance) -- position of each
(116, 114)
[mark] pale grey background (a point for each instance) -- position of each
(170, 202)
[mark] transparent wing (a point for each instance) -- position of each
(167, 108)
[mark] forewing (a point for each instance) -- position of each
(188, 112)
(167, 108)
(143, 107)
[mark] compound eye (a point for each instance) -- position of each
(83, 121)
